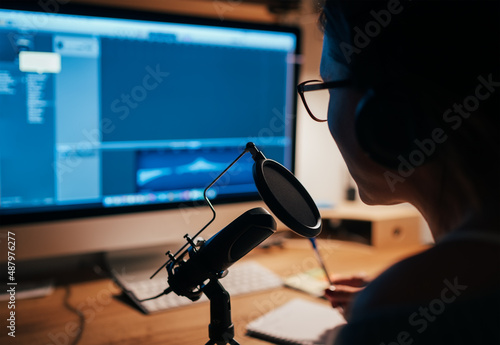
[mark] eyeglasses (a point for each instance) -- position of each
(312, 101)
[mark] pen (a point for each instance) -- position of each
(320, 260)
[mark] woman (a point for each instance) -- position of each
(414, 109)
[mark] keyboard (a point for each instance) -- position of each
(243, 278)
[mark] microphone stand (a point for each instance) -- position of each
(221, 328)
(186, 278)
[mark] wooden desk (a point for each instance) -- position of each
(47, 321)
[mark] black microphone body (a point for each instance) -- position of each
(208, 262)
(187, 278)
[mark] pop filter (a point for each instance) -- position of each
(282, 193)
(285, 195)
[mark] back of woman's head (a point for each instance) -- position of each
(443, 51)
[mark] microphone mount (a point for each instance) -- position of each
(174, 258)
(208, 261)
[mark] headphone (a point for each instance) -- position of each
(388, 125)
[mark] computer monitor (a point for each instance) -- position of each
(112, 122)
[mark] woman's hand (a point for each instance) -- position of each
(344, 289)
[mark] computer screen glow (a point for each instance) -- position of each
(99, 113)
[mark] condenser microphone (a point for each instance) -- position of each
(217, 254)
(282, 193)
(197, 269)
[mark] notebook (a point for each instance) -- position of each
(298, 322)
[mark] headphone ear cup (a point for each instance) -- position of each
(387, 125)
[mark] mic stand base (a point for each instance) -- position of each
(221, 328)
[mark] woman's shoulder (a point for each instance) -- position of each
(449, 294)
(467, 269)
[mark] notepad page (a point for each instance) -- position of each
(298, 322)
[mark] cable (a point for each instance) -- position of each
(81, 317)
(164, 292)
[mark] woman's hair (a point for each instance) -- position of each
(447, 51)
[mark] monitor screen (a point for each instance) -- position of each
(106, 111)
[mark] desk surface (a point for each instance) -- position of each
(47, 321)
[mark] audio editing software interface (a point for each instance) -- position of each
(116, 112)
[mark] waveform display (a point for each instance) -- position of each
(168, 170)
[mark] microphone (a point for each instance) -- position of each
(208, 261)
(216, 255)
(282, 193)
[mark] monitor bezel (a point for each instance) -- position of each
(77, 212)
